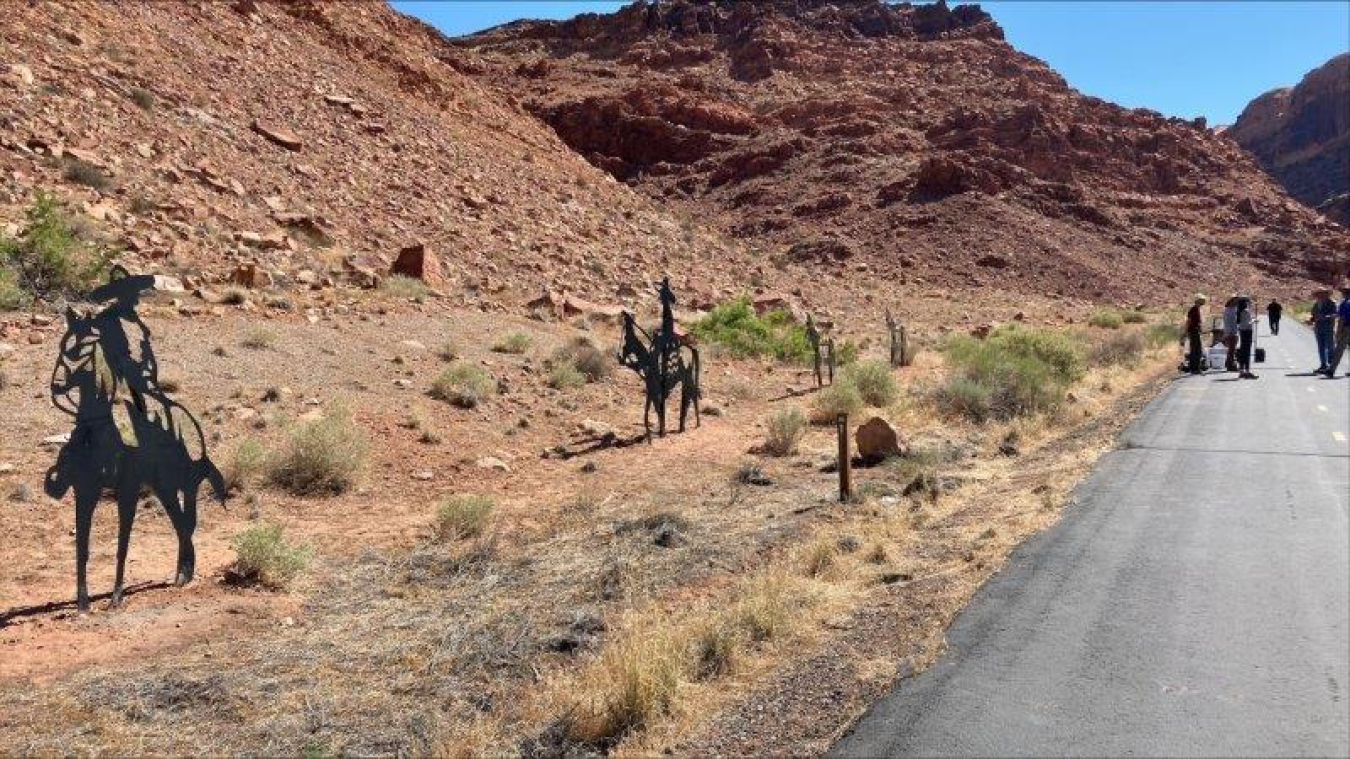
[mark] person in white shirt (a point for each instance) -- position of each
(1230, 333)
(1246, 326)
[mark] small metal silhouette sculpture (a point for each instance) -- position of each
(663, 361)
(96, 374)
(899, 341)
(822, 352)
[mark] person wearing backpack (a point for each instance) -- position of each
(1274, 311)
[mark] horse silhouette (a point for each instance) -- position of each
(151, 452)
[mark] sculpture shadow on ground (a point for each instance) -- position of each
(128, 434)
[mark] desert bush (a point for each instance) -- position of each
(715, 645)
(263, 556)
(1014, 372)
(258, 338)
(246, 461)
(85, 173)
(786, 427)
(463, 384)
(820, 557)
(634, 682)
(1162, 335)
(736, 327)
(321, 457)
(565, 376)
(234, 296)
(840, 398)
(1106, 318)
(516, 343)
(583, 356)
(845, 353)
(1134, 317)
(448, 351)
(875, 382)
(48, 258)
(463, 516)
(143, 98)
(400, 286)
(1123, 348)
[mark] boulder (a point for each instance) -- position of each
(877, 441)
(419, 263)
(251, 276)
(283, 137)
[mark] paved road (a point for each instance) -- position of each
(1193, 602)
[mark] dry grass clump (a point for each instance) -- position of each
(464, 385)
(820, 557)
(633, 683)
(565, 377)
(1123, 348)
(400, 286)
(259, 338)
(515, 343)
(1106, 318)
(464, 516)
(786, 427)
(321, 457)
(715, 647)
(840, 398)
(234, 296)
(264, 557)
(581, 357)
(86, 173)
(764, 611)
(875, 382)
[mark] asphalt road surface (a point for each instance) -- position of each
(1193, 601)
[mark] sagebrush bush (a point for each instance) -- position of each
(840, 398)
(875, 382)
(582, 355)
(258, 338)
(736, 327)
(516, 342)
(1061, 351)
(1162, 335)
(320, 457)
(400, 286)
(245, 463)
(463, 384)
(786, 427)
(463, 516)
(1106, 318)
(565, 376)
(1134, 317)
(48, 259)
(1124, 348)
(263, 556)
(86, 173)
(1015, 371)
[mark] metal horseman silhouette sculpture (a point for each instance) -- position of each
(99, 373)
(663, 361)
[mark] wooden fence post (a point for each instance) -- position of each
(845, 460)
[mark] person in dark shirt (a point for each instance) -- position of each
(1342, 340)
(1194, 321)
(1323, 321)
(1274, 310)
(1246, 337)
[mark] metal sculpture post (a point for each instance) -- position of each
(663, 361)
(899, 341)
(99, 374)
(822, 352)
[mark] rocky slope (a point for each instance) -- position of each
(1301, 135)
(307, 143)
(914, 143)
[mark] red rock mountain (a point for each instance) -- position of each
(305, 139)
(910, 142)
(1301, 135)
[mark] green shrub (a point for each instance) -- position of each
(1134, 317)
(786, 429)
(564, 377)
(143, 98)
(48, 259)
(245, 463)
(1106, 318)
(263, 556)
(463, 384)
(321, 457)
(463, 516)
(1123, 348)
(1162, 335)
(400, 286)
(1061, 351)
(581, 354)
(840, 398)
(735, 326)
(516, 342)
(845, 353)
(875, 382)
(1015, 371)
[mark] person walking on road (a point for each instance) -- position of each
(1246, 326)
(1323, 321)
(1342, 341)
(1273, 311)
(1230, 336)
(1195, 319)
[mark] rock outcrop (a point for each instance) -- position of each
(912, 141)
(1301, 135)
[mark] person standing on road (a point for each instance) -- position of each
(1342, 341)
(1323, 321)
(1246, 328)
(1195, 319)
(1230, 336)
(1274, 310)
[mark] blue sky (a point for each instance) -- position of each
(1181, 58)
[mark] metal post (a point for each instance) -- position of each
(904, 346)
(832, 360)
(845, 461)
